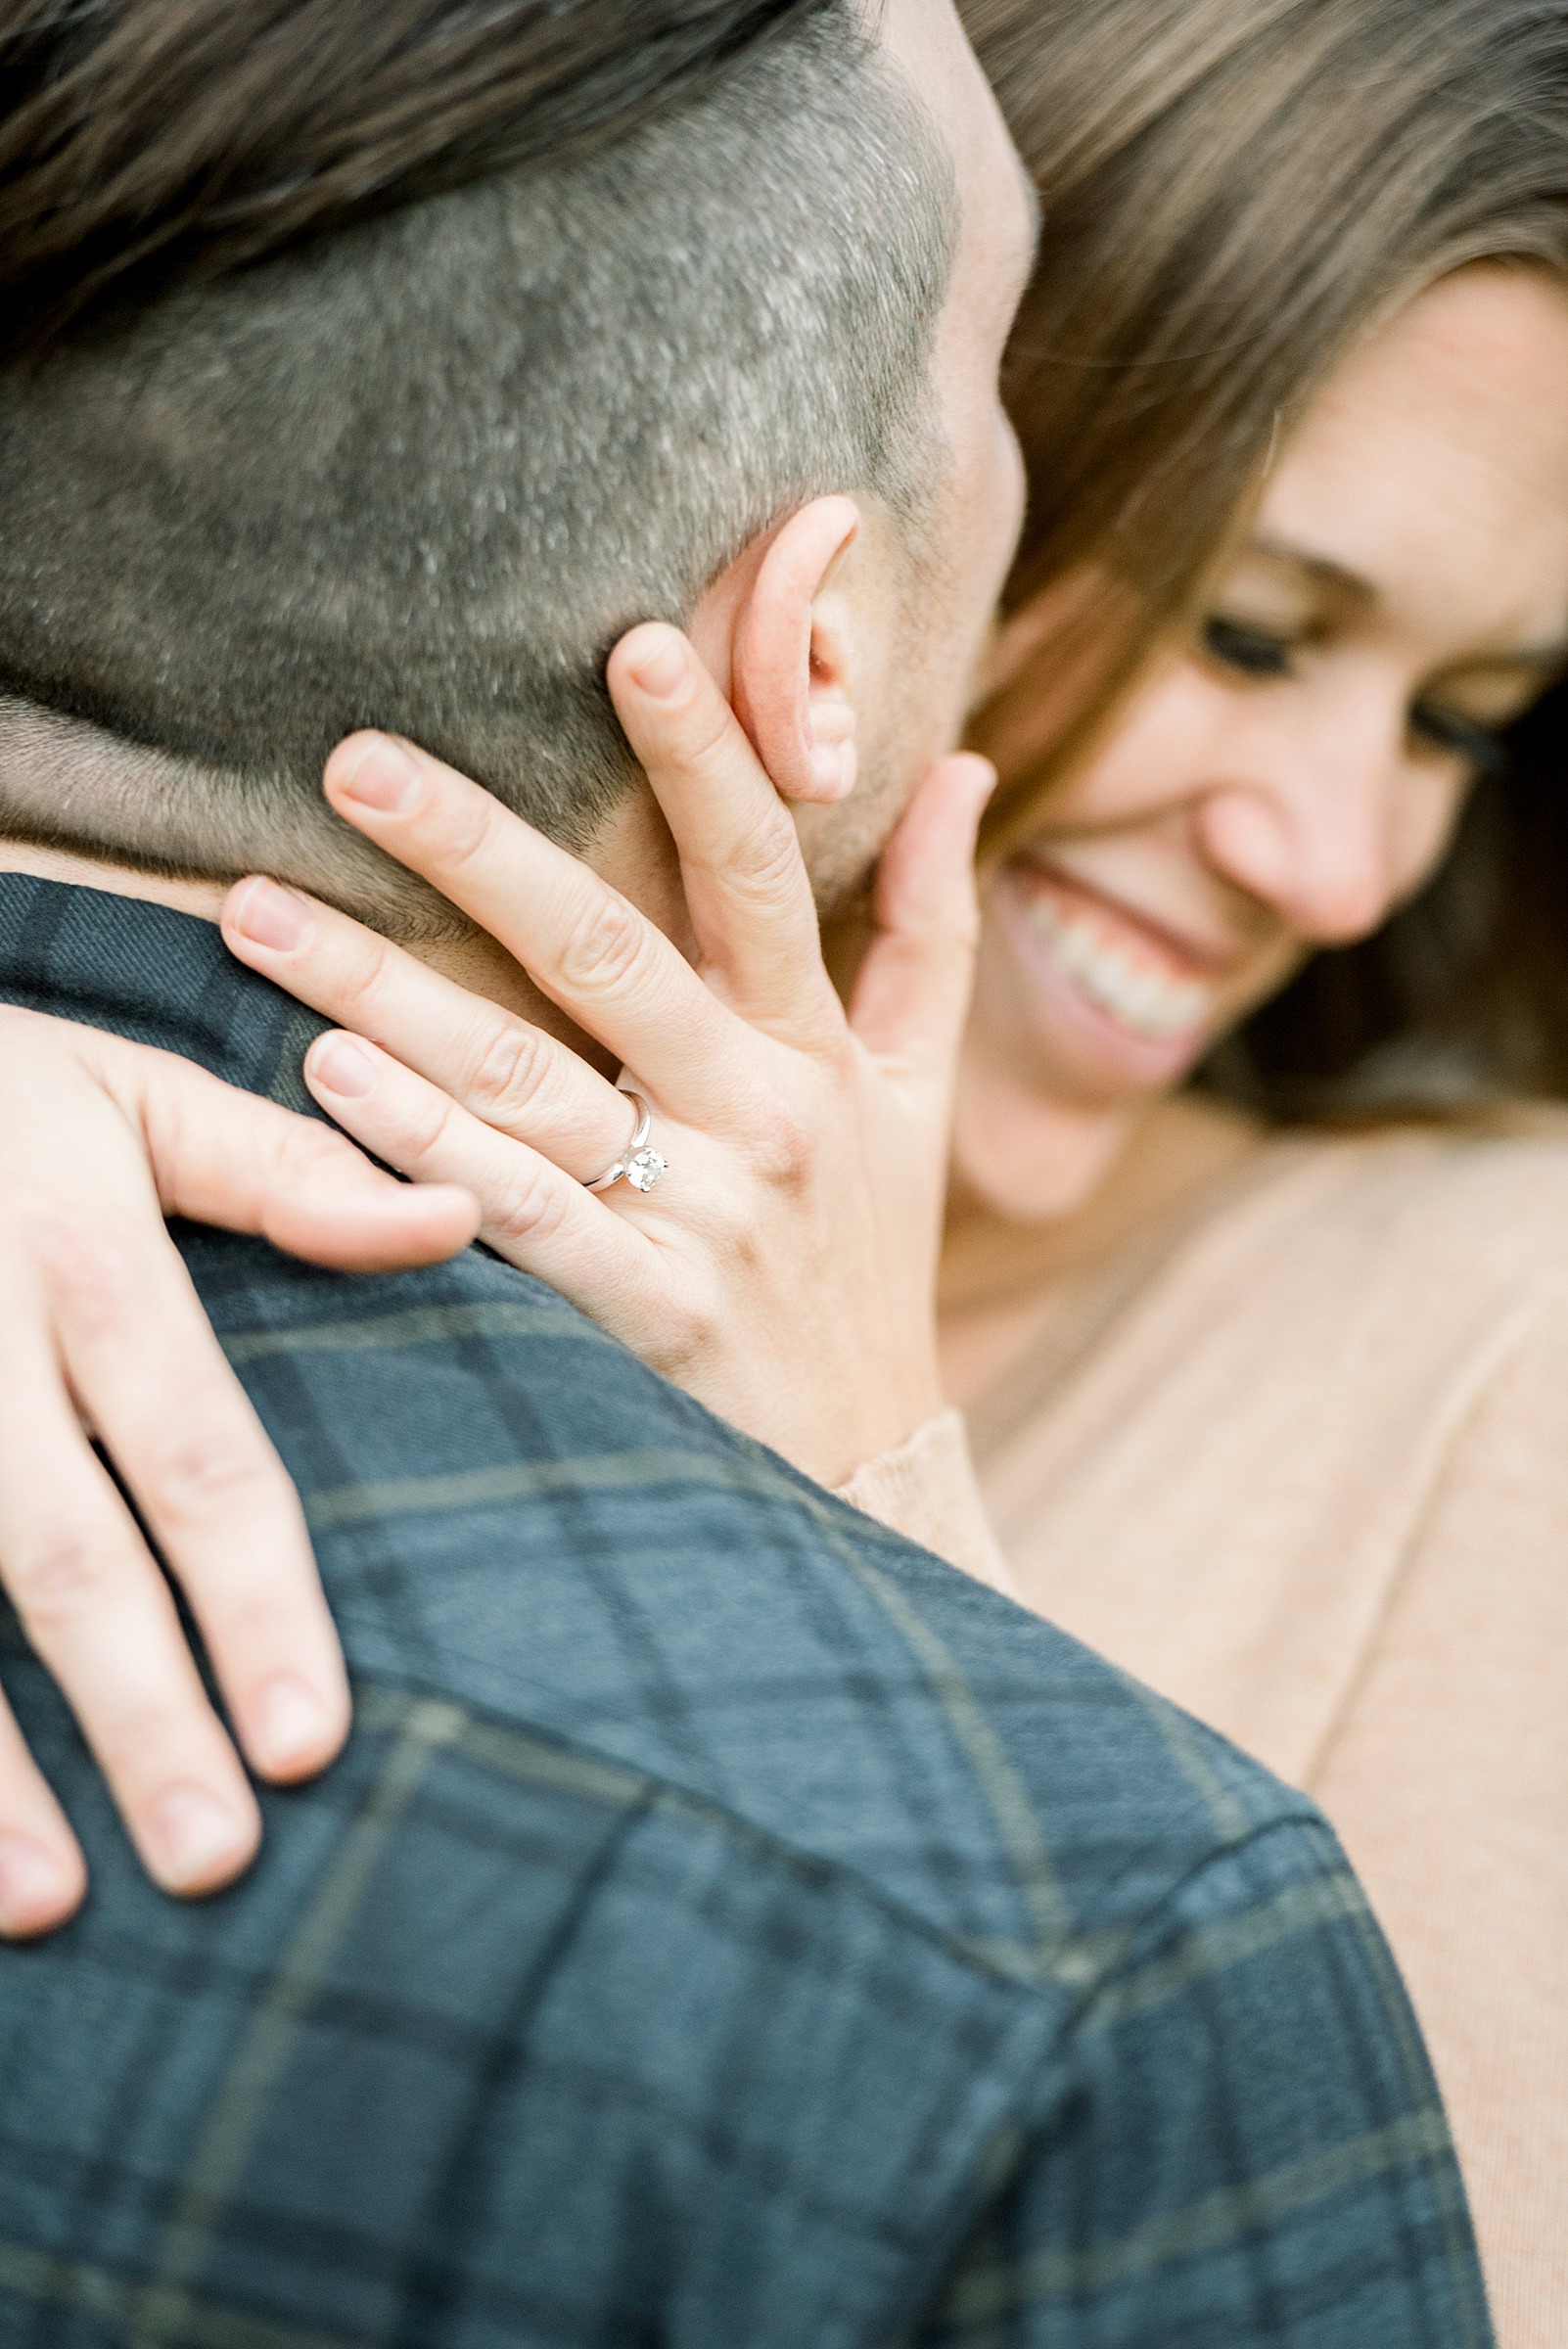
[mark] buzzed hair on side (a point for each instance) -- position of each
(421, 471)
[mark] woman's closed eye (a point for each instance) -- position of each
(1481, 747)
(1260, 654)
(1251, 651)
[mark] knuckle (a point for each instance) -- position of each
(768, 866)
(509, 1073)
(424, 1129)
(784, 1142)
(68, 1573)
(530, 1210)
(459, 826)
(357, 981)
(200, 1476)
(93, 1275)
(678, 735)
(303, 1151)
(688, 1330)
(606, 949)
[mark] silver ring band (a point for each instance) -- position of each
(638, 1164)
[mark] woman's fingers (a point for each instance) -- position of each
(538, 1218)
(507, 1072)
(581, 942)
(912, 990)
(746, 888)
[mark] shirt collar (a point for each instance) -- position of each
(158, 977)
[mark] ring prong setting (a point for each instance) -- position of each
(642, 1165)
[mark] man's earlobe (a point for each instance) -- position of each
(793, 665)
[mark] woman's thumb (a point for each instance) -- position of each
(913, 986)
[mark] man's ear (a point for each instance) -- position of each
(791, 651)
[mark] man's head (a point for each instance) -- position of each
(419, 468)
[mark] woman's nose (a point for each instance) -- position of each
(1312, 841)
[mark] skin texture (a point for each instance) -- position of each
(1405, 587)
(1411, 576)
(814, 633)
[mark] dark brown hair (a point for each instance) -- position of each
(143, 143)
(1234, 193)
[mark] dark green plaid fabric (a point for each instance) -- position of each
(728, 1927)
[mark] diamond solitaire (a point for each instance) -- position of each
(642, 1164)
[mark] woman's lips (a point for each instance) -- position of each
(1114, 960)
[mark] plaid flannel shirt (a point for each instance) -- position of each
(728, 1927)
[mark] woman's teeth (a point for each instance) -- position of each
(1142, 1000)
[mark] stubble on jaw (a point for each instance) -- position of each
(921, 703)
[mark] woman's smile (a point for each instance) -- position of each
(1292, 768)
(1132, 995)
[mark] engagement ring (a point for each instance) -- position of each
(639, 1165)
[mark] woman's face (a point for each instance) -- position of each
(1286, 779)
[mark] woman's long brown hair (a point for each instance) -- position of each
(1234, 193)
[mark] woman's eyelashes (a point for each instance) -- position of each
(1256, 653)
(1251, 651)
(1482, 748)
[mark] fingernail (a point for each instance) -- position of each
(34, 1887)
(662, 670)
(290, 1725)
(379, 775)
(270, 916)
(195, 1838)
(337, 1065)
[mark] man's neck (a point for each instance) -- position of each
(127, 797)
(204, 898)
(473, 961)
(633, 852)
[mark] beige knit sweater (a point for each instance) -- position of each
(1294, 1449)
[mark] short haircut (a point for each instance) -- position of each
(420, 472)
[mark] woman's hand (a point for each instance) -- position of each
(783, 1271)
(102, 1335)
